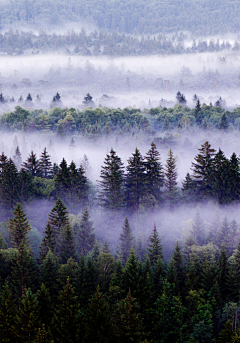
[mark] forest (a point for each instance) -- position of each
(129, 17)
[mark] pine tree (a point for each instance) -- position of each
(135, 180)
(48, 242)
(234, 177)
(58, 217)
(29, 97)
(176, 269)
(7, 315)
(223, 272)
(154, 172)
(65, 324)
(45, 165)
(23, 271)
(223, 236)
(98, 324)
(128, 326)
(132, 278)
(19, 227)
(188, 189)
(111, 184)
(9, 183)
(198, 230)
(202, 168)
(27, 318)
(32, 165)
(67, 248)
(85, 237)
(155, 248)
(17, 158)
(49, 274)
(171, 179)
(45, 308)
(126, 241)
(197, 107)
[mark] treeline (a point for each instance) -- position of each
(130, 17)
(102, 121)
(105, 44)
(143, 184)
(77, 291)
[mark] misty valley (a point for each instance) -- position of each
(119, 171)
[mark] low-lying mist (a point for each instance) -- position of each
(128, 81)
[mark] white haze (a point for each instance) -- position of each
(130, 81)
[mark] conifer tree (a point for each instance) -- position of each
(202, 169)
(65, 324)
(223, 236)
(58, 217)
(111, 183)
(234, 177)
(85, 236)
(90, 280)
(188, 189)
(19, 227)
(27, 319)
(126, 241)
(9, 183)
(135, 180)
(176, 268)
(223, 272)
(154, 172)
(198, 230)
(98, 325)
(67, 248)
(155, 249)
(7, 315)
(171, 179)
(48, 242)
(128, 326)
(45, 165)
(17, 158)
(132, 277)
(23, 272)
(224, 125)
(32, 165)
(44, 302)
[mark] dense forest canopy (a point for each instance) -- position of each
(199, 17)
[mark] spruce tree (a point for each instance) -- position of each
(48, 242)
(65, 324)
(7, 315)
(98, 323)
(197, 231)
(17, 158)
(154, 172)
(111, 183)
(32, 165)
(126, 241)
(176, 266)
(45, 308)
(224, 125)
(67, 248)
(135, 180)
(171, 179)
(85, 236)
(132, 277)
(155, 248)
(223, 272)
(27, 318)
(202, 169)
(23, 271)
(58, 217)
(128, 326)
(9, 183)
(45, 165)
(19, 227)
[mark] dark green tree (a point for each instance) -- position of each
(126, 241)
(7, 315)
(171, 179)
(32, 165)
(67, 248)
(45, 165)
(224, 125)
(85, 236)
(19, 227)
(48, 242)
(155, 248)
(111, 183)
(135, 180)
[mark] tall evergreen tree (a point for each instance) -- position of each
(65, 324)
(198, 230)
(126, 241)
(111, 183)
(155, 248)
(58, 217)
(98, 324)
(17, 158)
(171, 179)
(67, 246)
(154, 171)
(48, 242)
(202, 168)
(7, 315)
(45, 308)
(32, 165)
(135, 180)
(85, 236)
(45, 164)
(9, 183)
(19, 227)
(224, 125)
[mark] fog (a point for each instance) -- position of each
(172, 224)
(128, 81)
